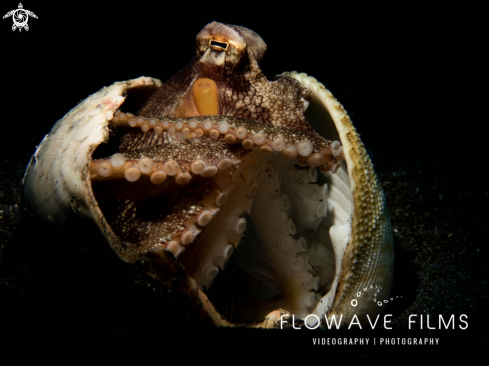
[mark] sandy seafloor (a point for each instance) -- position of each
(54, 287)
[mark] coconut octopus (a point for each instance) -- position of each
(221, 167)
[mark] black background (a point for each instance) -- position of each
(405, 75)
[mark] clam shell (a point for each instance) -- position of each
(57, 185)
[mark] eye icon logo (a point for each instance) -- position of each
(20, 17)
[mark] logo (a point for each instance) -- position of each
(20, 17)
(377, 289)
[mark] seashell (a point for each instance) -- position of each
(269, 178)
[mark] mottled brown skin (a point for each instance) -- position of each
(162, 217)
(243, 89)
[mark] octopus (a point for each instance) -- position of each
(226, 186)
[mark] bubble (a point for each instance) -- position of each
(354, 302)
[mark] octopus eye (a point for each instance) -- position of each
(219, 46)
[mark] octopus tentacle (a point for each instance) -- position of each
(199, 156)
(180, 229)
(171, 230)
(141, 182)
(310, 148)
(282, 241)
(211, 252)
